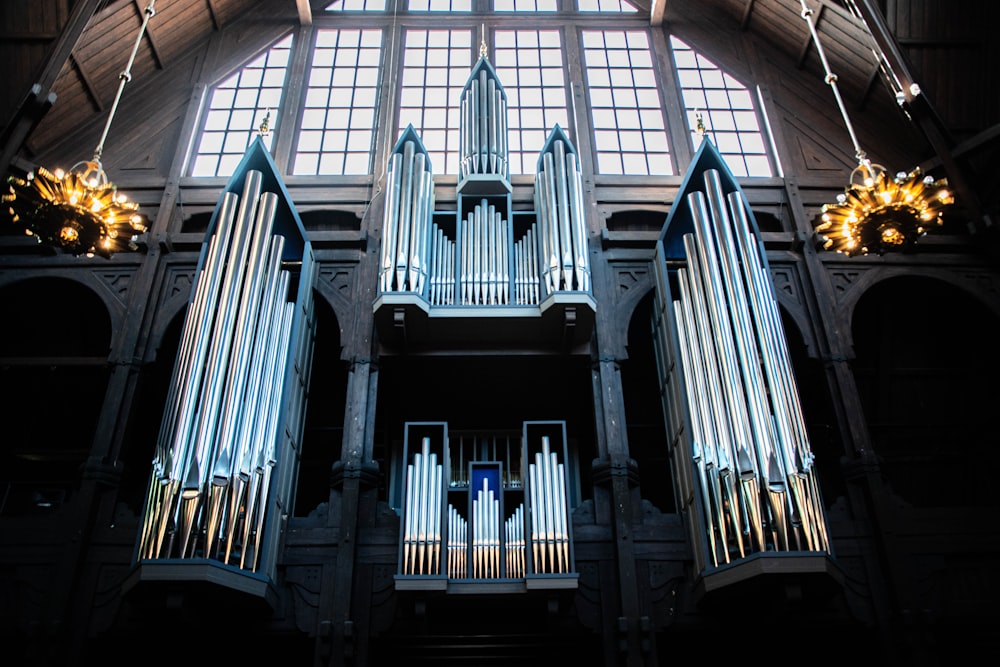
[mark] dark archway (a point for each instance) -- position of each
(926, 367)
(644, 418)
(324, 422)
(53, 377)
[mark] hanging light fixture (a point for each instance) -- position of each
(877, 212)
(80, 211)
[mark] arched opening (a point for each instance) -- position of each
(644, 418)
(926, 367)
(324, 420)
(53, 378)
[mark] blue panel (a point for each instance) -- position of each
(492, 476)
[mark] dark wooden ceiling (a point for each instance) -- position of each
(61, 59)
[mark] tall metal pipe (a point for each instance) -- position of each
(566, 250)
(390, 222)
(484, 141)
(492, 101)
(405, 213)
(578, 223)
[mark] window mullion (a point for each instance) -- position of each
(287, 125)
(673, 105)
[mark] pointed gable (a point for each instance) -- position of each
(557, 134)
(287, 222)
(679, 220)
(484, 65)
(410, 134)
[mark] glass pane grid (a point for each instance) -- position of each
(436, 65)
(525, 6)
(529, 64)
(338, 122)
(439, 5)
(236, 109)
(615, 6)
(629, 131)
(726, 109)
(357, 6)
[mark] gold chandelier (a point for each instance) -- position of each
(80, 211)
(876, 212)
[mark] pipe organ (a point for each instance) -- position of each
(479, 255)
(407, 232)
(422, 525)
(562, 228)
(483, 147)
(485, 521)
(746, 465)
(225, 460)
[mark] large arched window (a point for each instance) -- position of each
(603, 82)
(237, 108)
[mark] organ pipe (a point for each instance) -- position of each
(210, 492)
(559, 207)
(749, 448)
(422, 533)
(483, 131)
(407, 229)
(548, 512)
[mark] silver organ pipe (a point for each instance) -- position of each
(526, 258)
(390, 228)
(559, 207)
(549, 515)
(458, 544)
(514, 542)
(184, 385)
(402, 223)
(578, 223)
(484, 126)
(754, 467)
(422, 522)
(484, 122)
(210, 488)
(485, 255)
(486, 533)
(407, 228)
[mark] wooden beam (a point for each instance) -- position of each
(88, 84)
(747, 11)
(214, 13)
(28, 36)
(305, 12)
(923, 113)
(656, 9)
(40, 98)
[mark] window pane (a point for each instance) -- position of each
(625, 103)
(429, 93)
(727, 109)
(349, 110)
(237, 106)
(535, 93)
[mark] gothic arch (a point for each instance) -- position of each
(979, 284)
(926, 365)
(109, 287)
